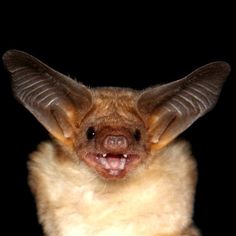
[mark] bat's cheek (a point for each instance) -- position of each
(112, 166)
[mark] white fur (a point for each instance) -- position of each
(156, 199)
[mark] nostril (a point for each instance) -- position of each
(120, 141)
(115, 141)
(111, 140)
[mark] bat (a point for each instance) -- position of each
(115, 164)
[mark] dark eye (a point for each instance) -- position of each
(137, 135)
(90, 133)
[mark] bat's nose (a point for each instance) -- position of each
(115, 142)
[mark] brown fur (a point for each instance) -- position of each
(166, 178)
(114, 165)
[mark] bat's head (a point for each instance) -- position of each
(112, 130)
(112, 137)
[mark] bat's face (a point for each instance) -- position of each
(112, 129)
(112, 139)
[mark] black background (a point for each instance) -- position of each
(133, 52)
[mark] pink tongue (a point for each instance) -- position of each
(113, 162)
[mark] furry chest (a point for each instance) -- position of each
(73, 202)
(103, 215)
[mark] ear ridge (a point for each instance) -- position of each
(47, 93)
(186, 99)
(199, 91)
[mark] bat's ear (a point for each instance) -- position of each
(53, 98)
(171, 108)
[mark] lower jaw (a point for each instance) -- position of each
(112, 174)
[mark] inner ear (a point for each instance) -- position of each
(54, 99)
(171, 108)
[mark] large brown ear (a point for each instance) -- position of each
(171, 108)
(53, 98)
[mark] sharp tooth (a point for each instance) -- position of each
(122, 163)
(114, 172)
(104, 155)
(125, 155)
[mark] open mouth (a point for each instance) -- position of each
(112, 165)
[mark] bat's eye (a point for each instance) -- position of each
(90, 133)
(137, 135)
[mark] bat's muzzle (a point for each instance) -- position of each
(115, 143)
